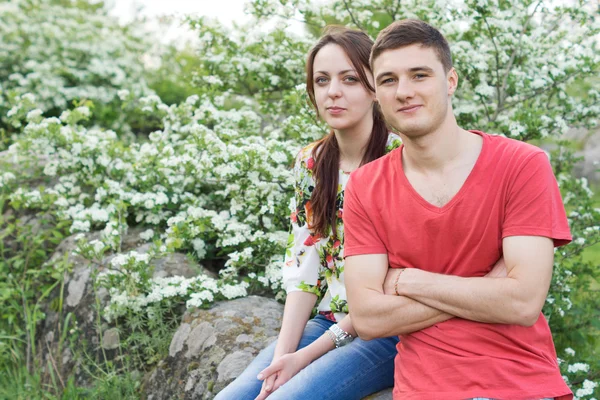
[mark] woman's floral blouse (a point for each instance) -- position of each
(314, 264)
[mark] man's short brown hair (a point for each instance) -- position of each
(408, 32)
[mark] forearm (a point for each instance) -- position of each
(298, 306)
(378, 315)
(482, 299)
(324, 343)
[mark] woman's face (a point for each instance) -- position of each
(342, 100)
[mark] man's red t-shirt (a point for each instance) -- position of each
(511, 191)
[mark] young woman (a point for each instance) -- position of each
(323, 358)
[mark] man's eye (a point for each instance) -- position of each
(420, 76)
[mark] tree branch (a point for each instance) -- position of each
(511, 61)
(352, 16)
(497, 57)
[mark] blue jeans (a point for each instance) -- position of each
(351, 372)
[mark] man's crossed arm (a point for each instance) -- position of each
(428, 298)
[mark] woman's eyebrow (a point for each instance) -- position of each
(339, 73)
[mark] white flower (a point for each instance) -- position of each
(147, 234)
(233, 291)
(50, 169)
(34, 115)
(81, 226)
(570, 351)
(97, 246)
(586, 389)
(123, 94)
(573, 368)
(99, 215)
(83, 110)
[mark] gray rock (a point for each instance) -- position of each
(110, 339)
(212, 347)
(200, 338)
(179, 339)
(233, 365)
(205, 354)
(100, 343)
(590, 166)
(77, 284)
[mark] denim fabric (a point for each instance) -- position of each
(350, 372)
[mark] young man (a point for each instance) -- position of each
(467, 223)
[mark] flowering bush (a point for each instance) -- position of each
(214, 180)
(65, 51)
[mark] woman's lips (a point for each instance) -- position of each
(335, 110)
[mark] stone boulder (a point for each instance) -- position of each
(213, 346)
(589, 166)
(59, 348)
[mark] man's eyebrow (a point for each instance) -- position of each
(382, 74)
(421, 68)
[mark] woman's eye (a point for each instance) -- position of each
(388, 80)
(351, 79)
(321, 80)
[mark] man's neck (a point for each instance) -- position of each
(438, 150)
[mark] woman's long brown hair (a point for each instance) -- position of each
(326, 153)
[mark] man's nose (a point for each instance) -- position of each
(405, 90)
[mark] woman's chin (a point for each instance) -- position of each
(338, 125)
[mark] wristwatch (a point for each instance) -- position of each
(340, 337)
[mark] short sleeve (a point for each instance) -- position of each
(360, 233)
(301, 264)
(534, 205)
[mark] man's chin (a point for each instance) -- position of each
(410, 131)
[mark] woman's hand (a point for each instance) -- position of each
(280, 371)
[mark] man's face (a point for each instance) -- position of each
(413, 89)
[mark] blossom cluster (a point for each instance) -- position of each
(67, 51)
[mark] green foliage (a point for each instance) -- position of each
(207, 169)
(65, 52)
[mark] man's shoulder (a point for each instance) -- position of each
(376, 169)
(504, 149)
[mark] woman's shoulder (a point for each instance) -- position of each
(394, 141)
(306, 153)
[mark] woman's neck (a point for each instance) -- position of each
(352, 143)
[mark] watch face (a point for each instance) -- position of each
(344, 341)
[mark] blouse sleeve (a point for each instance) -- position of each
(301, 265)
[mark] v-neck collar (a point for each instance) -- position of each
(475, 171)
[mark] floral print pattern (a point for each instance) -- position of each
(316, 264)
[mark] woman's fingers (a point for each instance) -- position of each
(270, 370)
(267, 387)
(270, 382)
(281, 379)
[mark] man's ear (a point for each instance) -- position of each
(452, 77)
